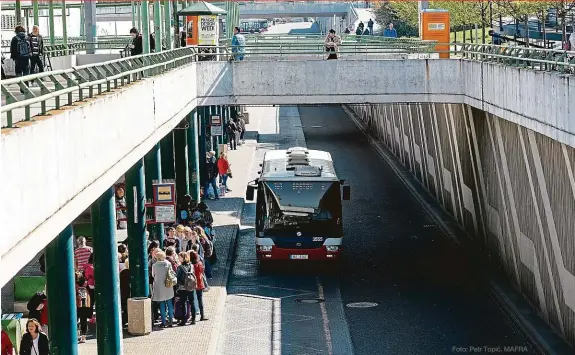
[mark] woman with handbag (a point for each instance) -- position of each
(163, 288)
(34, 342)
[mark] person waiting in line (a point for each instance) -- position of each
(83, 305)
(223, 167)
(7, 348)
(172, 257)
(125, 291)
(171, 240)
(238, 45)
(82, 253)
(211, 174)
(390, 31)
(208, 247)
(180, 237)
(200, 286)
(38, 309)
(231, 129)
(162, 291)
(37, 50)
(34, 341)
(332, 43)
(88, 272)
(187, 283)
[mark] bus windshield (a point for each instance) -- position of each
(313, 207)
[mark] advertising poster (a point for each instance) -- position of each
(207, 30)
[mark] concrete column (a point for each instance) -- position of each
(145, 30)
(61, 292)
(36, 12)
(137, 241)
(153, 169)
(106, 275)
(168, 24)
(193, 156)
(90, 25)
(167, 149)
(158, 25)
(51, 23)
(181, 158)
(202, 144)
(64, 25)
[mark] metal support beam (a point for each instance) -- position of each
(61, 291)
(51, 23)
(181, 158)
(64, 23)
(145, 30)
(193, 156)
(106, 274)
(167, 149)
(158, 26)
(36, 12)
(153, 168)
(168, 24)
(137, 241)
(90, 25)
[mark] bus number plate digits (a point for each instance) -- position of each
(298, 256)
(318, 239)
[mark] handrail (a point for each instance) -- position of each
(119, 72)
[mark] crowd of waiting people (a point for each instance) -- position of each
(179, 271)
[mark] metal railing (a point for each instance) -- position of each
(77, 83)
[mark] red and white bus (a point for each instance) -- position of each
(298, 207)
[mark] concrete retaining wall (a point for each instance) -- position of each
(511, 188)
(54, 168)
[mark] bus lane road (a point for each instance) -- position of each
(429, 298)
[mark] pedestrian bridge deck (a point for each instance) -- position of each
(57, 165)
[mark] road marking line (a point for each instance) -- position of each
(324, 317)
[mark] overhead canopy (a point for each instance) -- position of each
(201, 8)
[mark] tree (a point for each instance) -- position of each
(402, 17)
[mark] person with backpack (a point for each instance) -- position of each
(208, 247)
(200, 286)
(187, 284)
(163, 288)
(231, 129)
(83, 305)
(20, 52)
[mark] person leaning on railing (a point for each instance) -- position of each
(238, 45)
(137, 46)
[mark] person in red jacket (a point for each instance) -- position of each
(223, 170)
(7, 347)
(200, 286)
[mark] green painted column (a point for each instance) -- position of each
(61, 292)
(203, 111)
(133, 6)
(82, 21)
(36, 12)
(64, 23)
(153, 169)
(137, 241)
(51, 22)
(215, 147)
(18, 12)
(139, 14)
(106, 275)
(167, 149)
(168, 24)
(193, 155)
(181, 158)
(158, 25)
(145, 30)
(225, 118)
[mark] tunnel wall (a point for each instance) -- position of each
(510, 188)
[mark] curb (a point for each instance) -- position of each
(542, 339)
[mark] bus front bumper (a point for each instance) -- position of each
(298, 254)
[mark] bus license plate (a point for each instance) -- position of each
(299, 257)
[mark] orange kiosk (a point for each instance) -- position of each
(201, 30)
(435, 27)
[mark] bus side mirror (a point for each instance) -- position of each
(250, 193)
(346, 194)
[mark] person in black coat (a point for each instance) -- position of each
(34, 342)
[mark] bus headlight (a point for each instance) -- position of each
(265, 248)
(332, 248)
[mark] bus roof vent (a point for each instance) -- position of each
(297, 158)
(310, 171)
(297, 150)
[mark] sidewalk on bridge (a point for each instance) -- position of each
(202, 338)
